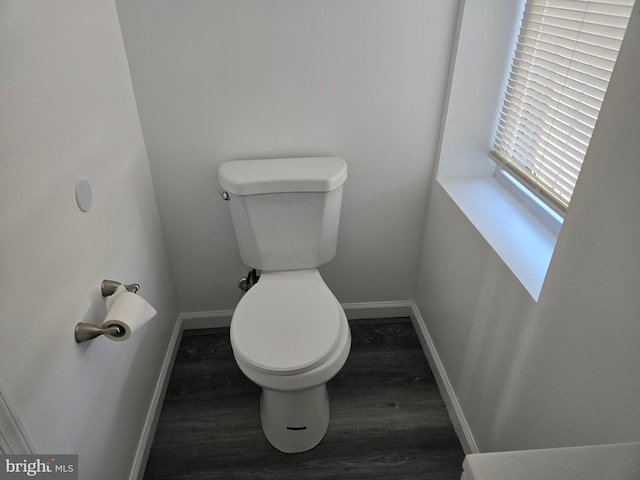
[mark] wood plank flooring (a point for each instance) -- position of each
(388, 420)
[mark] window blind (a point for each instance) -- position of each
(564, 57)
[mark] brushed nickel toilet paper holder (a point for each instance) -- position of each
(109, 287)
(88, 331)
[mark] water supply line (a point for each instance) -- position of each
(249, 281)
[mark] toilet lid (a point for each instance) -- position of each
(285, 327)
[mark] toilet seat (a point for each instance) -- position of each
(285, 326)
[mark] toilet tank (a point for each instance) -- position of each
(285, 211)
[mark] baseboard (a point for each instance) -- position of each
(375, 310)
(394, 309)
(354, 311)
(153, 414)
(212, 319)
(456, 413)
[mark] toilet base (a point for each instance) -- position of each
(295, 421)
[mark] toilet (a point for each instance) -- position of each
(289, 334)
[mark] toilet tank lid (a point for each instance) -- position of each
(276, 175)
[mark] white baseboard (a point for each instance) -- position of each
(153, 414)
(354, 311)
(460, 424)
(376, 310)
(212, 319)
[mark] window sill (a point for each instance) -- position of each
(521, 237)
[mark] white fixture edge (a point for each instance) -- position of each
(13, 436)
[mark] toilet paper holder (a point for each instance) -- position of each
(88, 331)
(109, 287)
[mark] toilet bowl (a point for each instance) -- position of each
(290, 336)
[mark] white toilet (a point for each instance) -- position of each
(289, 334)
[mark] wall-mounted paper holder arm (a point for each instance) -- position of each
(89, 331)
(109, 287)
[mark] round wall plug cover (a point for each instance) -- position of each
(84, 196)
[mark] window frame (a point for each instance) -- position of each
(481, 56)
(521, 233)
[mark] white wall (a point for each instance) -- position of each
(562, 371)
(68, 112)
(360, 79)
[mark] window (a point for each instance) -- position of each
(564, 57)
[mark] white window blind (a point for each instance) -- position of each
(564, 56)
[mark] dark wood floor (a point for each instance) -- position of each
(388, 420)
